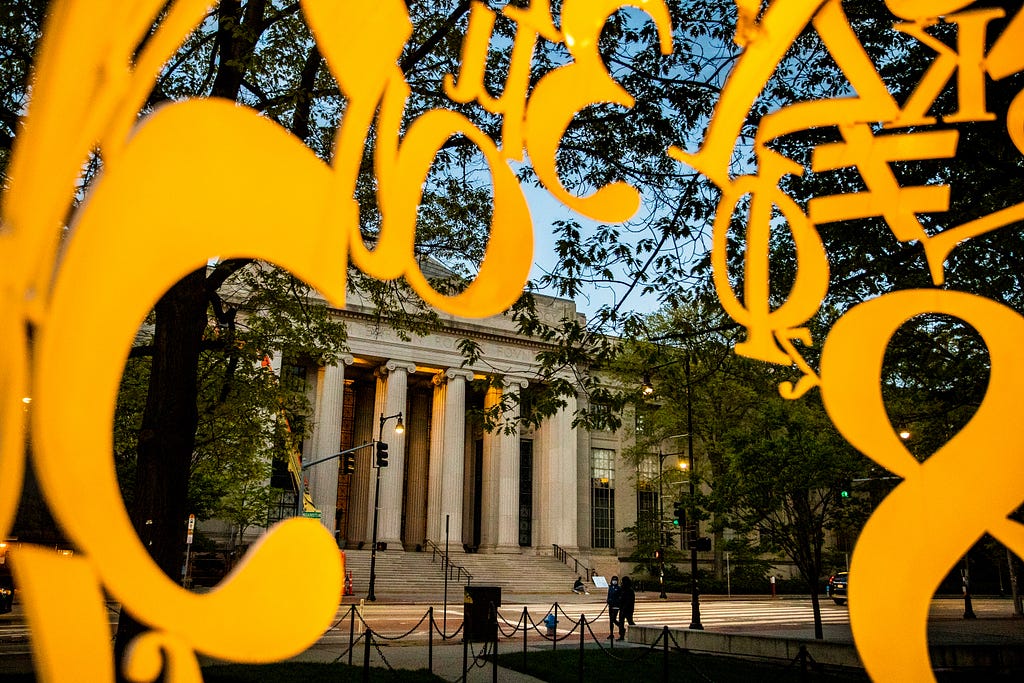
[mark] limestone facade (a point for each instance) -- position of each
(448, 479)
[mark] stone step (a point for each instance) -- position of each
(401, 573)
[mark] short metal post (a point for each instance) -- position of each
(583, 629)
(430, 640)
(664, 655)
(366, 654)
(524, 621)
(351, 632)
(554, 638)
(494, 622)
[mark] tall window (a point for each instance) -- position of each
(602, 498)
(647, 503)
(525, 493)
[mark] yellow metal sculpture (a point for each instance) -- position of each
(915, 536)
(88, 88)
(89, 85)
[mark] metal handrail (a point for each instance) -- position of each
(449, 566)
(563, 555)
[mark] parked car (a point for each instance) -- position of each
(836, 587)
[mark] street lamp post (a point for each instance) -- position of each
(694, 591)
(399, 428)
(661, 526)
(661, 516)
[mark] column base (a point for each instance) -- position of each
(392, 544)
(507, 550)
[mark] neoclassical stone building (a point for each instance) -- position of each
(500, 492)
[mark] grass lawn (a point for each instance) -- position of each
(636, 664)
(562, 665)
(306, 672)
(291, 672)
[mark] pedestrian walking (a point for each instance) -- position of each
(627, 603)
(614, 595)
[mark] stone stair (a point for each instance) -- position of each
(408, 575)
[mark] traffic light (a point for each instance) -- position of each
(658, 555)
(348, 464)
(382, 454)
(678, 513)
(844, 489)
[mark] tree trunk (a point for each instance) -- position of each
(167, 435)
(1011, 561)
(819, 632)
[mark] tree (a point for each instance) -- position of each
(767, 469)
(260, 54)
(786, 467)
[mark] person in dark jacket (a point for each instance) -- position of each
(614, 594)
(627, 603)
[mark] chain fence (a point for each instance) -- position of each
(555, 627)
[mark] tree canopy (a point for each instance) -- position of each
(260, 54)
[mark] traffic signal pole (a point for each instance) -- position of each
(338, 455)
(695, 623)
(382, 461)
(305, 466)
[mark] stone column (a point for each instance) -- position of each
(448, 458)
(489, 477)
(417, 448)
(361, 493)
(557, 480)
(469, 489)
(389, 528)
(323, 477)
(435, 476)
(500, 528)
(379, 404)
(508, 471)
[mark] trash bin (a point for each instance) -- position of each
(479, 613)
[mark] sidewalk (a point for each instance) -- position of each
(946, 626)
(447, 660)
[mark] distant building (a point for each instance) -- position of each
(520, 492)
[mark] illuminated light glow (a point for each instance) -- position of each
(982, 463)
(179, 148)
(163, 167)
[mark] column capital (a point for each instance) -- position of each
(453, 373)
(393, 365)
(442, 377)
(514, 382)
